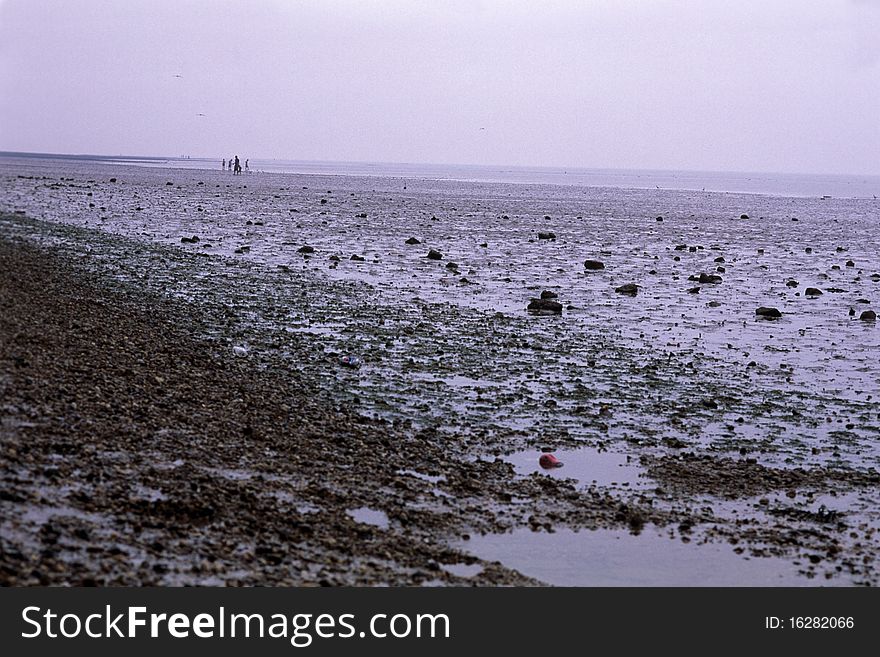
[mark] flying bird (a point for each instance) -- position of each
(178, 75)
(200, 114)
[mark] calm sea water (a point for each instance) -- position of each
(775, 184)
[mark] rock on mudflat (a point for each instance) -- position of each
(768, 313)
(813, 292)
(357, 258)
(868, 316)
(545, 307)
(413, 240)
(306, 249)
(547, 294)
(791, 284)
(709, 278)
(743, 216)
(547, 236)
(593, 265)
(630, 289)
(190, 240)
(434, 255)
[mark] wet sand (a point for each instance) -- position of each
(177, 413)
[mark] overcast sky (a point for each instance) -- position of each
(750, 85)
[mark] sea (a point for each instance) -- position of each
(774, 184)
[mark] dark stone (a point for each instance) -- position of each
(768, 313)
(791, 284)
(357, 258)
(659, 218)
(169, 183)
(720, 270)
(545, 307)
(413, 240)
(868, 316)
(694, 290)
(547, 236)
(719, 259)
(709, 278)
(434, 255)
(630, 289)
(850, 263)
(813, 292)
(808, 250)
(323, 201)
(547, 294)
(681, 247)
(113, 180)
(743, 216)
(593, 265)
(306, 249)
(451, 265)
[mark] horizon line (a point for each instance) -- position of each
(440, 164)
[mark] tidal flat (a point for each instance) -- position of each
(263, 379)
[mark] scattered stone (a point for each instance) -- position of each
(791, 284)
(709, 278)
(169, 183)
(434, 255)
(357, 258)
(812, 292)
(544, 307)
(306, 249)
(694, 290)
(593, 265)
(714, 304)
(768, 313)
(451, 265)
(547, 236)
(113, 180)
(547, 294)
(808, 250)
(335, 258)
(850, 263)
(868, 316)
(719, 259)
(743, 216)
(413, 240)
(659, 218)
(630, 289)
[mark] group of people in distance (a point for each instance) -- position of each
(235, 166)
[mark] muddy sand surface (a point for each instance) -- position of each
(177, 412)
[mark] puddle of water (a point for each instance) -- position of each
(586, 465)
(421, 475)
(617, 558)
(463, 569)
(369, 516)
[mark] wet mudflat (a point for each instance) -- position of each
(759, 436)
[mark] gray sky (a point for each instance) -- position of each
(755, 85)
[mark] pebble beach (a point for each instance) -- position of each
(296, 379)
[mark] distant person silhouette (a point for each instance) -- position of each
(246, 169)
(237, 166)
(224, 165)
(230, 164)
